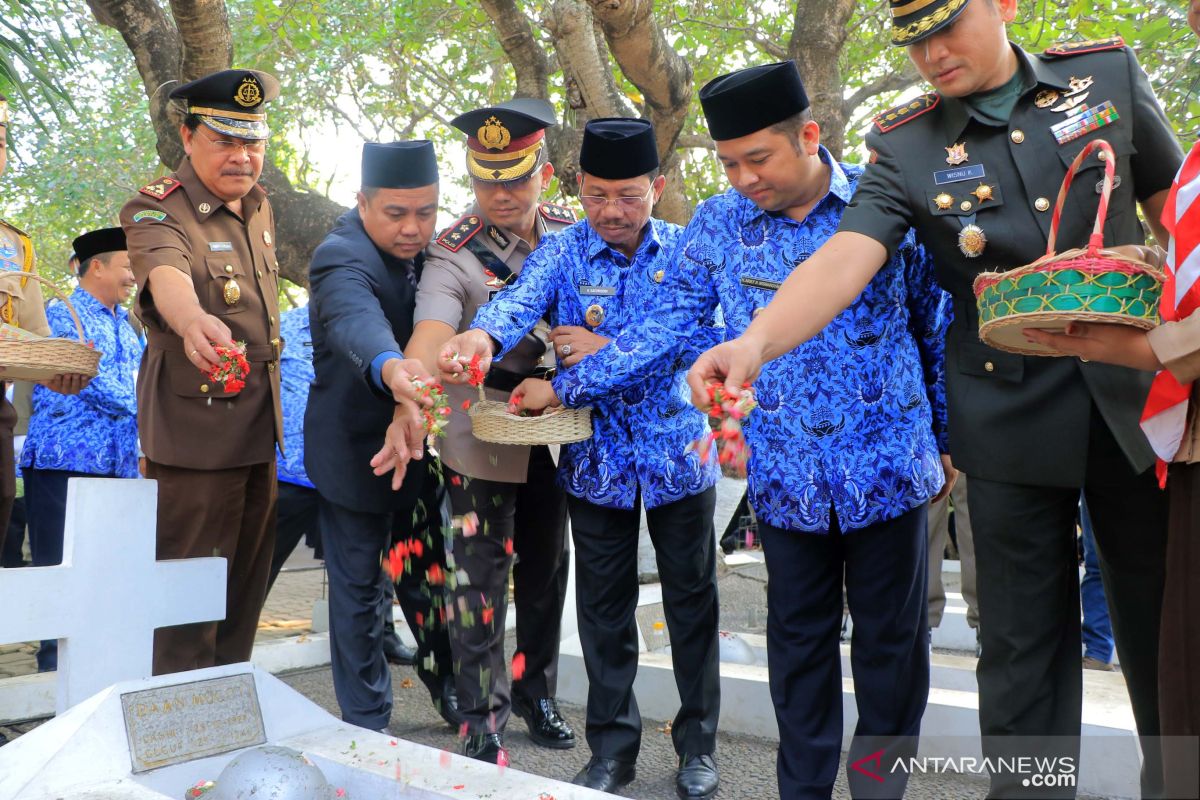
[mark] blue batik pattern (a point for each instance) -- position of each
(295, 376)
(855, 418)
(95, 431)
(644, 427)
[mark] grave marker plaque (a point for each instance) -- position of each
(174, 724)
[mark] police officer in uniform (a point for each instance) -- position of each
(363, 284)
(21, 306)
(202, 246)
(974, 167)
(509, 489)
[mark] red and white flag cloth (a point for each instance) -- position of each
(1165, 417)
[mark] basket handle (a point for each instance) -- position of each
(1096, 242)
(57, 291)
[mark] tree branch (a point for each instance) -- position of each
(891, 82)
(529, 61)
(203, 27)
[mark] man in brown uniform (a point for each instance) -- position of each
(21, 306)
(510, 489)
(202, 246)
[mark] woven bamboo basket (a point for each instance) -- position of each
(491, 422)
(42, 358)
(1088, 284)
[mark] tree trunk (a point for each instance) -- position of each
(662, 76)
(818, 34)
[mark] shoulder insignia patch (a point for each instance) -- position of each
(160, 188)
(556, 213)
(458, 234)
(906, 112)
(1086, 46)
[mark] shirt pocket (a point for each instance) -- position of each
(227, 284)
(1083, 200)
(186, 379)
(981, 361)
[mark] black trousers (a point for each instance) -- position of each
(1030, 679)
(424, 604)
(296, 519)
(11, 554)
(530, 520)
(885, 577)
(606, 592)
(354, 545)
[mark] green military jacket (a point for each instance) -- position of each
(939, 166)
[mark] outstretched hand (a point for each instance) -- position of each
(734, 363)
(403, 441)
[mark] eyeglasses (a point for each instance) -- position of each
(592, 202)
(229, 147)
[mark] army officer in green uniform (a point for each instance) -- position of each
(975, 167)
(510, 490)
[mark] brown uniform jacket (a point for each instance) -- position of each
(184, 419)
(453, 286)
(1177, 345)
(20, 298)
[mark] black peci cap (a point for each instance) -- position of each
(399, 165)
(746, 101)
(617, 148)
(98, 242)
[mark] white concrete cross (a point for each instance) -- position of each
(109, 594)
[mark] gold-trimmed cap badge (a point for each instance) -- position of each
(493, 135)
(249, 92)
(504, 141)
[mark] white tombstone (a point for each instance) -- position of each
(109, 594)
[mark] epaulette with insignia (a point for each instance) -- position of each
(906, 112)
(6, 224)
(458, 234)
(556, 213)
(160, 188)
(1086, 46)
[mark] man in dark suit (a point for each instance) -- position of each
(973, 167)
(363, 281)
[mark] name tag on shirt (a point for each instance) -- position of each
(597, 291)
(968, 173)
(221, 247)
(760, 283)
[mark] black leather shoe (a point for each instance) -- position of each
(445, 700)
(546, 725)
(485, 747)
(394, 650)
(605, 774)
(697, 778)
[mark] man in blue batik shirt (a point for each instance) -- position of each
(92, 434)
(595, 278)
(845, 443)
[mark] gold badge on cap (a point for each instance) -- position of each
(493, 135)
(249, 93)
(1045, 98)
(983, 192)
(595, 315)
(956, 154)
(267, 238)
(971, 241)
(232, 292)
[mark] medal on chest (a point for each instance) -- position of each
(232, 292)
(594, 315)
